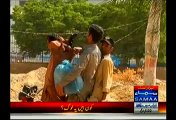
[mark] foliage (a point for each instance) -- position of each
(48, 17)
(62, 16)
(162, 46)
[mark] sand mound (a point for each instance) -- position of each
(121, 91)
(35, 77)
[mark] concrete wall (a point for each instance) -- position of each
(161, 73)
(27, 67)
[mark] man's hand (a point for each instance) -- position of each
(103, 100)
(60, 90)
(77, 50)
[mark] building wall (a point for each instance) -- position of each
(14, 49)
(13, 3)
(97, 1)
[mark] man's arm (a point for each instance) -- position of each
(76, 71)
(107, 77)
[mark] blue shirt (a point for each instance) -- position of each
(86, 67)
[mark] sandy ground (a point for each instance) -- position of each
(121, 90)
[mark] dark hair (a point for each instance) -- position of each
(108, 40)
(97, 32)
(52, 37)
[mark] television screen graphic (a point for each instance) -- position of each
(145, 99)
(44, 33)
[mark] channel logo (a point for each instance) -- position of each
(145, 99)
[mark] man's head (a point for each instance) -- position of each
(107, 45)
(95, 33)
(54, 37)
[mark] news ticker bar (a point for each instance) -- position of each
(77, 107)
(94, 116)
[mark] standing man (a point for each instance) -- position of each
(104, 75)
(57, 46)
(89, 60)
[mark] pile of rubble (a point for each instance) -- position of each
(121, 91)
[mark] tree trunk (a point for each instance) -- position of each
(152, 40)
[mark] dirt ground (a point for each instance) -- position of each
(121, 90)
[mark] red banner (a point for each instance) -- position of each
(145, 87)
(55, 107)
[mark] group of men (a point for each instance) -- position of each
(95, 66)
